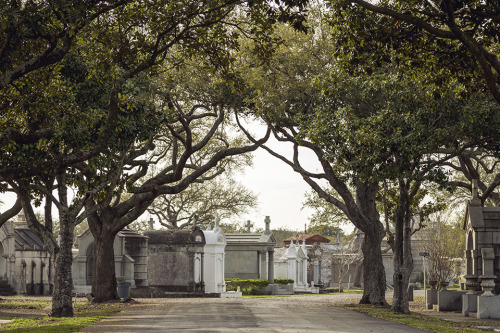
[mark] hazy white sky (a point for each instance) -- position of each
(280, 190)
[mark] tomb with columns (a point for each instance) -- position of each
(291, 262)
(25, 266)
(250, 255)
(131, 252)
(482, 226)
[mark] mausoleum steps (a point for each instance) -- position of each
(6, 289)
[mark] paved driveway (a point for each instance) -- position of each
(278, 314)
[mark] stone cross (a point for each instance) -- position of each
(475, 194)
(267, 221)
(475, 201)
(217, 220)
(248, 225)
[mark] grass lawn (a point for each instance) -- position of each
(85, 314)
(418, 320)
(345, 292)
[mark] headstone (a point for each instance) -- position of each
(248, 225)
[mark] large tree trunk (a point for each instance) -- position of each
(104, 279)
(63, 280)
(373, 269)
(374, 283)
(403, 261)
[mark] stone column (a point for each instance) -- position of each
(259, 266)
(304, 277)
(202, 281)
(316, 273)
(270, 266)
(488, 277)
(263, 268)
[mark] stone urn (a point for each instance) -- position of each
(488, 284)
(471, 283)
(444, 284)
(433, 284)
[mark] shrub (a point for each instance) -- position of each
(248, 286)
(283, 281)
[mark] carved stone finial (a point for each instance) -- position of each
(217, 221)
(475, 201)
(475, 194)
(267, 221)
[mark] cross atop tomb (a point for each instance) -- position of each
(267, 220)
(248, 225)
(217, 220)
(475, 195)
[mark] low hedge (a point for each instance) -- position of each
(283, 281)
(248, 286)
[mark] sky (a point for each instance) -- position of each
(280, 190)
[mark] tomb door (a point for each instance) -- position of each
(197, 268)
(3, 263)
(89, 265)
(468, 253)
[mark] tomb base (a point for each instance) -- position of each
(488, 307)
(469, 304)
(450, 300)
(278, 289)
(432, 298)
(306, 289)
(231, 294)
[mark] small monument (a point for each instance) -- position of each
(482, 226)
(213, 273)
(250, 255)
(175, 260)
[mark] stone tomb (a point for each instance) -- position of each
(250, 255)
(482, 226)
(175, 261)
(291, 263)
(131, 252)
(213, 266)
(25, 266)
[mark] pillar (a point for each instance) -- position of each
(270, 266)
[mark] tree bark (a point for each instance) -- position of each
(403, 261)
(104, 278)
(63, 280)
(374, 282)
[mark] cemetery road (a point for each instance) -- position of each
(277, 314)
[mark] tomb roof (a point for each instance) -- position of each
(175, 237)
(309, 238)
(25, 239)
(250, 238)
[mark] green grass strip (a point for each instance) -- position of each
(417, 320)
(85, 315)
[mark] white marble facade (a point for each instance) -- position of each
(291, 263)
(213, 274)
